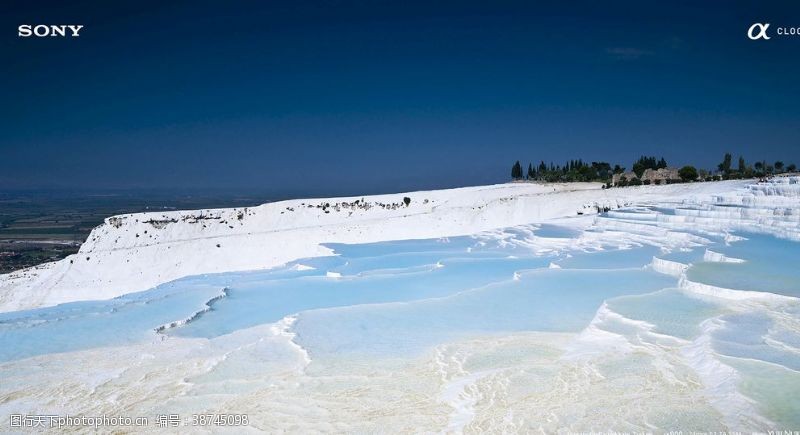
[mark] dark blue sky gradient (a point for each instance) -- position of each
(350, 97)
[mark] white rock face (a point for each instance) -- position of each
(668, 267)
(135, 252)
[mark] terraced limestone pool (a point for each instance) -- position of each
(660, 317)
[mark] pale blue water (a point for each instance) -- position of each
(771, 265)
(269, 301)
(556, 231)
(549, 300)
(83, 325)
(685, 257)
(399, 299)
(745, 336)
(610, 259)
(671, 311)
(408, 295)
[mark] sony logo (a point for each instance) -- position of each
(42, 30)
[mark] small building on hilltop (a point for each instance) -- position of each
(649, 176)
(661, 176)
(615, 179)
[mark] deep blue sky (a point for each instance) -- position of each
(350, 97)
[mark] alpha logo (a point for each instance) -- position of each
(762, 31)
(44, 30)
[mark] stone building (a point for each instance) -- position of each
(661, 176)
(628, 176)
(650, 176)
